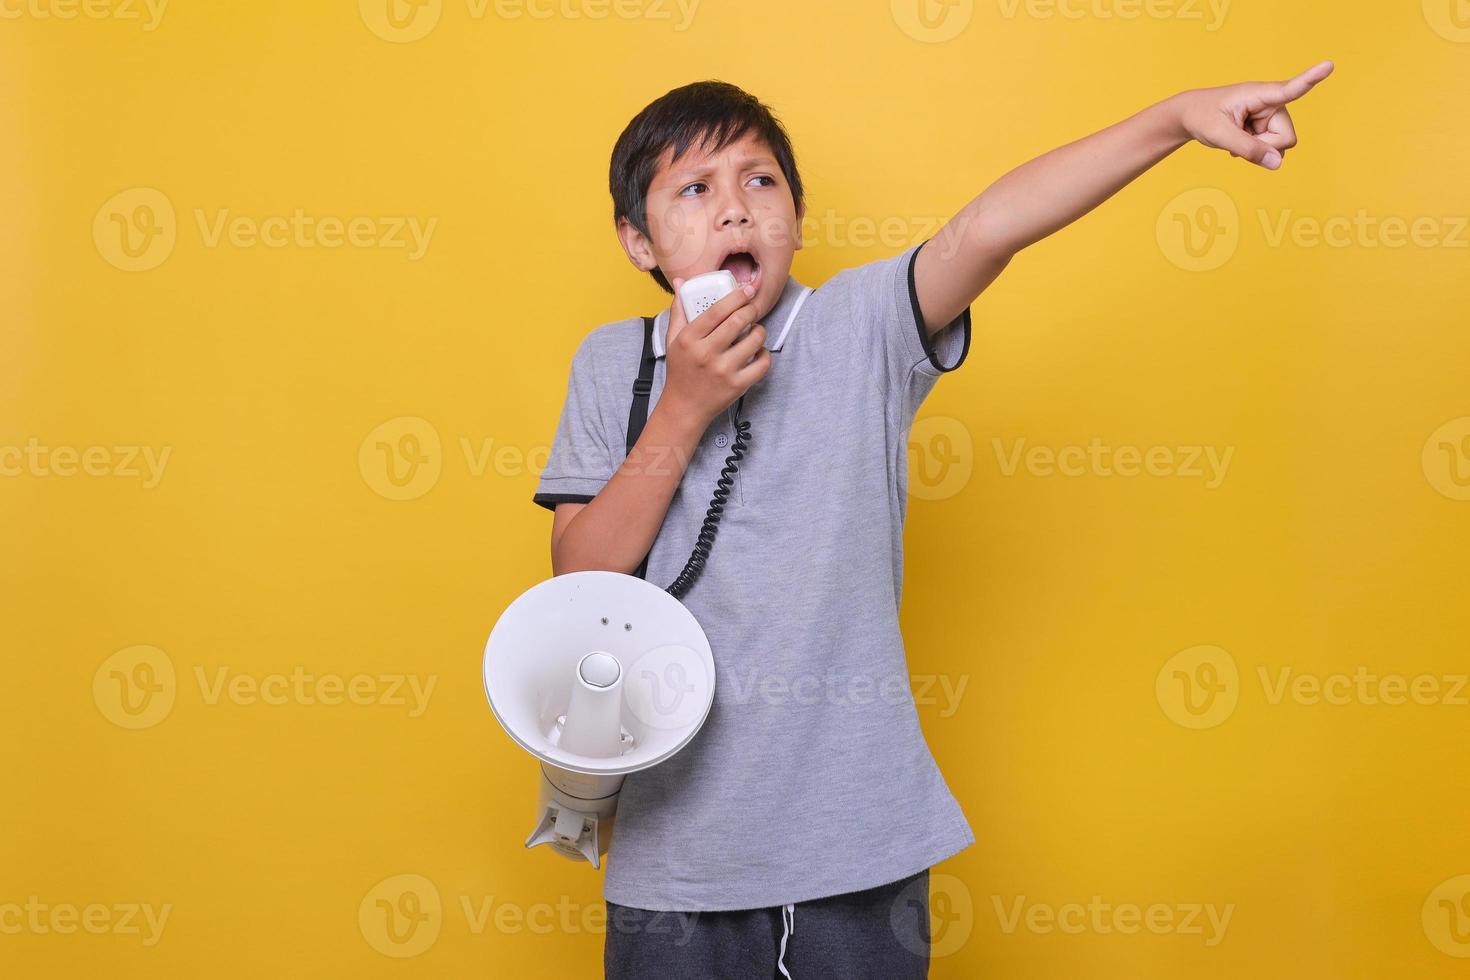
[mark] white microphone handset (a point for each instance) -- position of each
(702, 292)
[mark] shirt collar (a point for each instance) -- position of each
(777, 322)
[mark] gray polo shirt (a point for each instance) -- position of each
(811, 776)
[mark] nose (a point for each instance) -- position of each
(732, 211)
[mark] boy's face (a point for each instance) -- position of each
(728, 210)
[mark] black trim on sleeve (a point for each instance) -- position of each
(550, 500)
(924, 339)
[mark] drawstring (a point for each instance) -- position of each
(788, 927)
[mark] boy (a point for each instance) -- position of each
(810, 787)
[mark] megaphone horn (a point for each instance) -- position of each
(598, 675)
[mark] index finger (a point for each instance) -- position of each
(704, 324)
(1302, 84)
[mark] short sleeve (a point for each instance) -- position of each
(883, 309)
(581, 460)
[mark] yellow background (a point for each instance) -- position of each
(1335, 541)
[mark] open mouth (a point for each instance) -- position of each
(743, 266)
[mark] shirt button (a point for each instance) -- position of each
(721, 440)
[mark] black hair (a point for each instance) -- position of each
(712, 113)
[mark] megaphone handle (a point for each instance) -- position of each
(568, 824)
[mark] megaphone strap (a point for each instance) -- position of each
(638, 412)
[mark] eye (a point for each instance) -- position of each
(685, 191)
(771, 181)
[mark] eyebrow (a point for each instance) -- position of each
(745, 163)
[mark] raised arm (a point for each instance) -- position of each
(1249, 120)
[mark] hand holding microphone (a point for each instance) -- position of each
(718, 352)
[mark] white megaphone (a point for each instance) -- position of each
(597, 674)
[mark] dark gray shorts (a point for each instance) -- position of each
(880, 933)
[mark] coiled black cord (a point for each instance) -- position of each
(700, 555)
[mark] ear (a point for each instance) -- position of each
(800, 217)
(637, 246)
